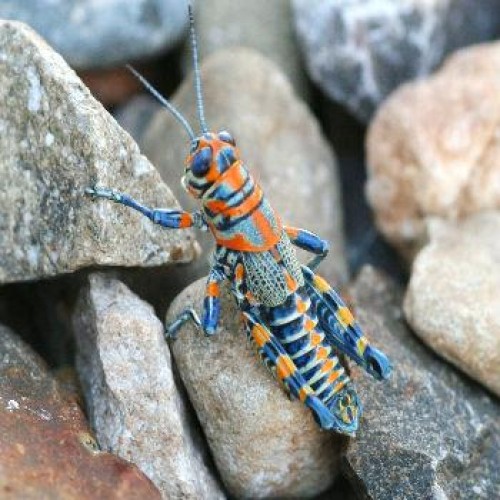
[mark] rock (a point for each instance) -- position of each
(452, 301)
(434, 148)
(46, 447)
(359, 51)
(57, 140)
(264, 26)
(264, 445)
(427, 432)
(133, 401)
(247, 95)
(92, 34)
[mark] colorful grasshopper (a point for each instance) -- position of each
(296, 321)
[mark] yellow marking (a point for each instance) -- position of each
(301, 306)
(339, 386)
(345, 316)
(260, 335)
(361, 344)
(304, 392)
(327, 366)
(322, 353)
(309, 324)
(334, 376)
(321, 284)
(284, 367)
(316, 338)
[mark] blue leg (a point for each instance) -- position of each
(311, 242)
(174, 219)
(211, 309)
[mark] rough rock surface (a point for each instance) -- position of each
(46, 447)
(264, 445)
(93, 34)
(359, 51)
(261, 25)
(279, 138)
(428, 432)
(434, 148)
(55, 141)
(134, 404)
(453, 299)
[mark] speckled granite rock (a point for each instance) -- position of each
(453, 299)
(261, 25)
(428, 432)
(55, 141)
(434, 148)
(279, 138)
(46, 447)
(134, 404)
(361, 50)
(264, 445)
(92, 34)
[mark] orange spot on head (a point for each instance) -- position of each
(284, 367)
(260, 336)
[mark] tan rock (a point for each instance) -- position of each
(434, 148)
(453, 298)
(279, 138)
(133, 401)
(264, 445)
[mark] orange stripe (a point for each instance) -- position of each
(239, 272)
(213, 289)
(304, 392)
(247, 206)
(321, 353)
(301, 306)
(186, 220)
(334, 376)
(309, 325)
(345, 316)
(260, 335)
(327, 366)
(292, 232)
(284, 367)
(290, 282)
(315, 339)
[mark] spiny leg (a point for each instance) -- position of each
(173, 219)
(309, 241)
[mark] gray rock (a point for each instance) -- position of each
(428, 432)
(279, 138)
(261, 25)
(359, 51)
(56, 140)
(134, 404)
(91, 34)
(46, 446)
(453, 300)
(264, 445)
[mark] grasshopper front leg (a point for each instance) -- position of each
(171, 219)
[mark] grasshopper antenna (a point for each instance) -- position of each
(197, 76)
(177, 114)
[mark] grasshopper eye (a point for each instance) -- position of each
(201, 162)
(225, 136)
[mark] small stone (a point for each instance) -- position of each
(279, 138)
(359, 51)
(90, 34)
(262, 25)
(56, 141)
(427, 432)
(134, 404)
(434, 148)
(453, 300)
(264, 445)
(47, 449)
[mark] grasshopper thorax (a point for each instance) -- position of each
(210, 157)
